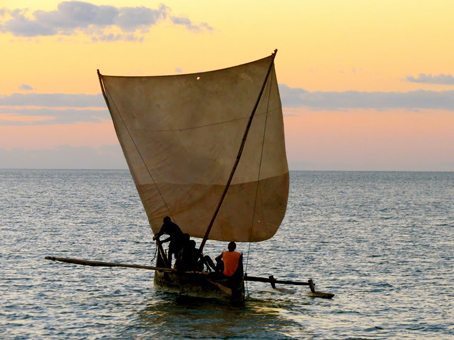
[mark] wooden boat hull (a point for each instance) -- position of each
(198, 285)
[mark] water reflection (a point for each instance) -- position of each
(170, 315)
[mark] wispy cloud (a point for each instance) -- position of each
(53, 100)
(100, 22)
(25, 87)
(64, 157)
(50, 116)
(411, 100)
(51, 108)
(188, 24)
(440, 79)
(63, 108)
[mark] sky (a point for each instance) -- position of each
(365, 85)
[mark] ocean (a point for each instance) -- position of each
(383, 242)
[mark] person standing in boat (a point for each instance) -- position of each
(232, 261)
(176, 237)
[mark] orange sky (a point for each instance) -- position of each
(371, 47)
(364, 140)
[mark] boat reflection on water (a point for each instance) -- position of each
(169, 315)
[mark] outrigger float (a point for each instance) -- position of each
(208, 150)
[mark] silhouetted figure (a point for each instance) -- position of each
(231, 261)
(208, 263)
(186, 259)
(182, 262)
(230, 264)
(176, 237)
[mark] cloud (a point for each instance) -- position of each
(188, 24)
(411, 100)
(25, 87)
(51, 108)
(98, 21)
(52, 100)
(440, 79)
(63, 108)
(47, 116)
(64, 157)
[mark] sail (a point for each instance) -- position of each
(180, 135)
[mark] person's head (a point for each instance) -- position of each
(186, 237)
(166, 219)
(231, 246)
(192, 244)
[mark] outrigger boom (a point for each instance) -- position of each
(273, 282)
(269, 279)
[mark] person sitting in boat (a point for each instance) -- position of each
(187, 256)
(207, 262)
(176, 237)
(232, 261)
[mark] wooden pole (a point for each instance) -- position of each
(273, 282)
(107, 264)
(162, 253)
(238, 157)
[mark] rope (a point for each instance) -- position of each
(154, 256)
(247, 262)
(257, 186)
(260, 169)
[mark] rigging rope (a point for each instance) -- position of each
(240, 152)
(154, 256)
(258, 176)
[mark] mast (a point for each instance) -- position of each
(238, 157)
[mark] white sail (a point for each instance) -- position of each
(181, 134)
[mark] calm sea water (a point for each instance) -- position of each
(381, 241)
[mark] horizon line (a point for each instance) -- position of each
(290, 170)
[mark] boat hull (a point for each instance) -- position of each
(199, 285)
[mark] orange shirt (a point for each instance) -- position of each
(231, 261)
